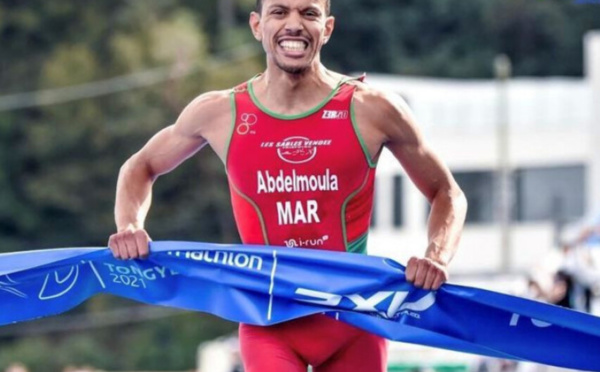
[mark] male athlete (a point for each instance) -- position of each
(300, 144)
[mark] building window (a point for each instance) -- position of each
(550, 194)
(478, 187)
(397, 200)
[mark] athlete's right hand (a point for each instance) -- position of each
(130, 244)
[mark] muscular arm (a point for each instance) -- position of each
(400, 134)
(165, 151)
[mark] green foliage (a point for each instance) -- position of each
(59, 163)
(45, 354)
(457, 38)
(166, 344)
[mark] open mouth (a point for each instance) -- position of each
(293, 46)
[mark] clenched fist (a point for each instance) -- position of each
(426, 273)
(130, 244)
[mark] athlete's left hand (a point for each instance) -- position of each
(426, 273)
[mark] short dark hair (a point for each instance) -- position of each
(259, 4)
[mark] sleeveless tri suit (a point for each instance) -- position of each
(303, 181)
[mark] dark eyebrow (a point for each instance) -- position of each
(278, 6)
(313, 8)
(308, 8)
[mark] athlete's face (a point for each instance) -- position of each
(292, 32)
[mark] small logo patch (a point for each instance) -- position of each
(335, 114)
(245, 127)
(293, 243)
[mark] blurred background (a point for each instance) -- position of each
(507, 92)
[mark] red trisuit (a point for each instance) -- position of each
(303, 181)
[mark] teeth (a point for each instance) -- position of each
(293, 46)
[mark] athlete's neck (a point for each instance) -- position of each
(287, 93)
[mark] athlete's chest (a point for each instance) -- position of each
(303, 168)
(315, 152)
(296, 174)
(323, 140)
(322, 133)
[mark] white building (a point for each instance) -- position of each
(553, 152)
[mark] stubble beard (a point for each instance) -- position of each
(292, 70)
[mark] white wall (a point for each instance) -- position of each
(553, 122)
(479, 251)
(592, 68)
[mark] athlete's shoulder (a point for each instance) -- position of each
(207, 109)
(384, 111)
(211, 101)
(368, 94)
(380, 104)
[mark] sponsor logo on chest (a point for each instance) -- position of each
(335, 114)
(297, 149)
